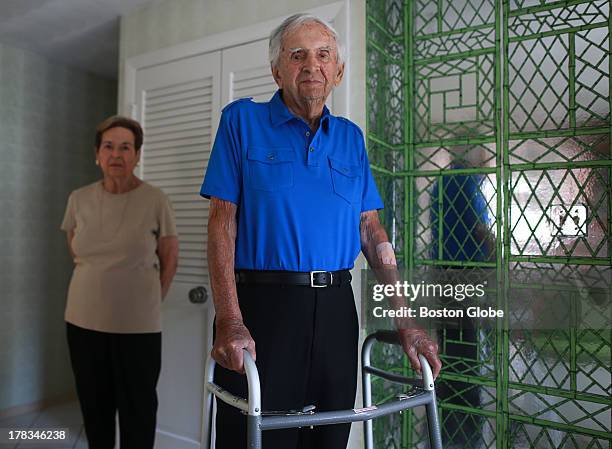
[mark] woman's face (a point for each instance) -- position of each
(117, 154)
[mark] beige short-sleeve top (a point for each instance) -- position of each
(115, 286)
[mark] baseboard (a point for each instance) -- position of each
(36, 406)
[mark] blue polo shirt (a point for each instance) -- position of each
(299, 194)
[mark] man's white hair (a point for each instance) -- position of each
(293, 22)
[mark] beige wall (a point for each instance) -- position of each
(172, 22)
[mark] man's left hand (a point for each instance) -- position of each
(416, 341)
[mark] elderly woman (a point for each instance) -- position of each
(122, 237)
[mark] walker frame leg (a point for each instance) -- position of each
(367, 401)
(207, 407)
(366, 379)
(254, 431)
(433, 423)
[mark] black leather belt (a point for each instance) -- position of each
(308, 278)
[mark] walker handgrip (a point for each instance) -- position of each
(252, 405)
(392, 337)
(428, 379)
(250, 369)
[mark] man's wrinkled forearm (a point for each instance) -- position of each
(221, 254)
(373, 234)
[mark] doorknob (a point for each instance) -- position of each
(198, 295)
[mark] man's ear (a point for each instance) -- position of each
(276, 76)
(339, 74)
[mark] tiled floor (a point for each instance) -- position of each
(63, 416)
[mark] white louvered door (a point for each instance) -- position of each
(178, 104)
(246, 73)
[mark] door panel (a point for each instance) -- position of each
(178, 106)
(246, 73)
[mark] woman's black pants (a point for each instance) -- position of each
(306, 344)
(116, 373)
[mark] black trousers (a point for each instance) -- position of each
(306, 344)
(116, 373)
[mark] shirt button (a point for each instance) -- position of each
(311, 149)
(307, 133)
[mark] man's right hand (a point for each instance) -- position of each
(231, 338)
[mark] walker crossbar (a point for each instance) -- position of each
(342, 416)
(393, 377)
(424, 394)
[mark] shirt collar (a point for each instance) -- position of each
(279, 113)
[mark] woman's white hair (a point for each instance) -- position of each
(293, 22)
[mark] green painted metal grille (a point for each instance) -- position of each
(488, 126)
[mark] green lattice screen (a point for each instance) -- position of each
(488, 126)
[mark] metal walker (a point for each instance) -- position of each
(422, 394)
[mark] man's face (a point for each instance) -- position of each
(308, 68)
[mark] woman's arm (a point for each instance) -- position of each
(167, 251)
(69, 237)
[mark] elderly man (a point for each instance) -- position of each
(292, 202)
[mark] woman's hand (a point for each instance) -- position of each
(231, 338)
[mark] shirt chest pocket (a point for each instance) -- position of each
(270, 169)
(346, 179)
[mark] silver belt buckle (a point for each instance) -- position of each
(312, 273)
